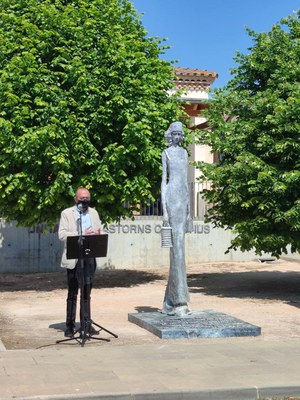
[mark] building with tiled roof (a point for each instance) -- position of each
(196, 81)
(194, 85)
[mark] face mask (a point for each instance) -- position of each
(83, 205)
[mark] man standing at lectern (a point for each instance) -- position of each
(76, 220)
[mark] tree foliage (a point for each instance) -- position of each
(83, 102)
(255, 129)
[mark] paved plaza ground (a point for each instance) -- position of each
(32, 307)
(138, 365)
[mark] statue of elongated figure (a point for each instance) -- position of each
(176, 215)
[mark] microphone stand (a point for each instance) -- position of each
(85, 307)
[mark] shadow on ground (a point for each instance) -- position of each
(145, 309)
(271, 285)
(58, 280)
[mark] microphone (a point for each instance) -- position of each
(80, 207)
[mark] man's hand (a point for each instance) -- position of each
(90, 231)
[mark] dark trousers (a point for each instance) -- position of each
(80, 275)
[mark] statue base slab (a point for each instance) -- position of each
(198, 324)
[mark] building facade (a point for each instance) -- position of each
(195, 84)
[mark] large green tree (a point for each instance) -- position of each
(255, 130)
(83, 102)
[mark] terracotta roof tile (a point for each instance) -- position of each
(194, 79)
(179, 71)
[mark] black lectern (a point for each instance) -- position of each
(92, 246)
(84, 248)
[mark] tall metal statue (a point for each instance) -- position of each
(176, 219)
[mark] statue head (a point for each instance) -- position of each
(174, 128)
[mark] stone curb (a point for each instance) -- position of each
(253, 393)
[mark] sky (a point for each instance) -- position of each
(206, 34)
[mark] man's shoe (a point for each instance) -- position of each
(93, 331)
(69, 331)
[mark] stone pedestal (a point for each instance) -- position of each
(199, 324)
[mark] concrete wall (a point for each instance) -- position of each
(132, 244)
(137, 244)
(27, 250)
